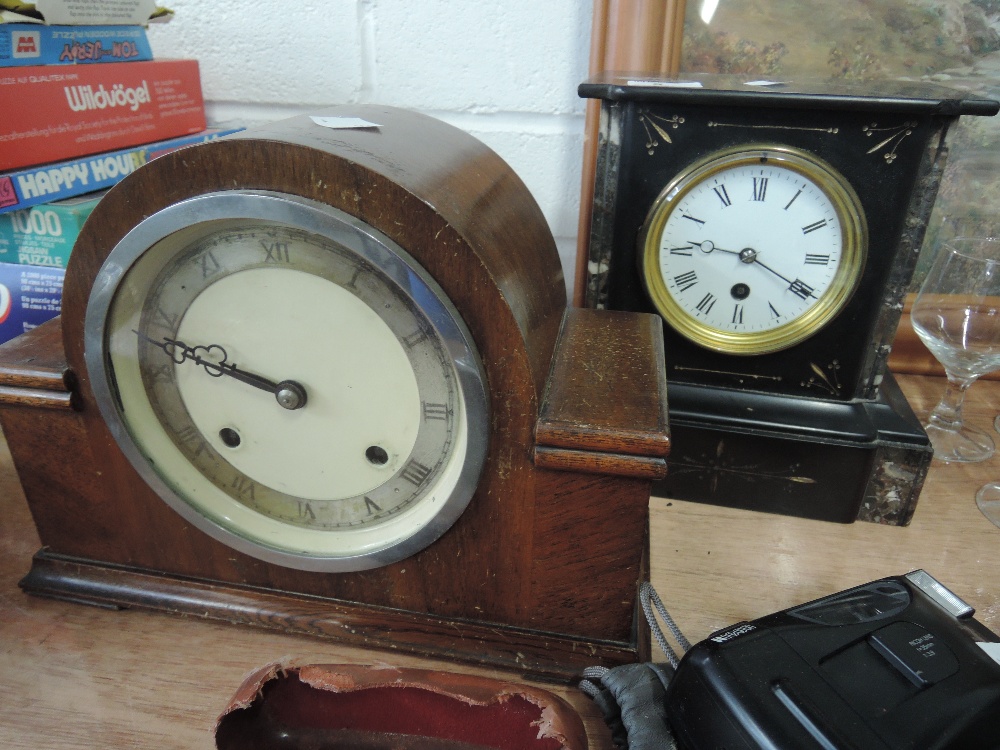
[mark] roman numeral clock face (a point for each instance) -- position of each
(752, 251)
(289, 380)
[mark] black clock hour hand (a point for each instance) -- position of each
(212, 358)
(708, 247)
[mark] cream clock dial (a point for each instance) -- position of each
(288, 379)
(753, 250)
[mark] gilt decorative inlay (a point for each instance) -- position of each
(658, 127)
(891, 136)
(715, 124)
(824, 378)
(718, 465)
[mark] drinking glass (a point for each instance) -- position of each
(988, 500)
(957, 316)
(988, 497)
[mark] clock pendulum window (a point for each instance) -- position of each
(775, 229)
(321, 381)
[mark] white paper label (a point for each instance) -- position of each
(668, 84)
(344, 123)
(96, 12)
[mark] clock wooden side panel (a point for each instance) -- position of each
(35, 360)
(60, 495)
(607, 391)
(587, 573)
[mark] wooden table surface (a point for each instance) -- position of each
(75, 676)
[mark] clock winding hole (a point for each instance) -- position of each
(377, 455)
(230, 437)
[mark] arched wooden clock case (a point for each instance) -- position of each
(540, 571)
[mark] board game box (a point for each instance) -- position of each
(58, 112)
(24, 44)
(33, 186)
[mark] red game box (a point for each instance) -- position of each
(57, 112)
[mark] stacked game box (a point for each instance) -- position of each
(84, 104)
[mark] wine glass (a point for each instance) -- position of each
(988, 500)
(988, 497)
(957, 316)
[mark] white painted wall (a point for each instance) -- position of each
(506, 72)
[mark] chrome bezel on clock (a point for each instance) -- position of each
(199, 216)
(854, 243)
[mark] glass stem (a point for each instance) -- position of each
(947, 415)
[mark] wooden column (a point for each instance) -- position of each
(626, 35)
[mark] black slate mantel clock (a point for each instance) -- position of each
(775, 228)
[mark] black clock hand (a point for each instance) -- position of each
(766, 267)
(708, 246)
(180, 352)
(288, 393)
(798, 287)
(749, 255)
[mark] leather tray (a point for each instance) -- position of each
(333, 706)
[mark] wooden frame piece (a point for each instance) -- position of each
(639, 35)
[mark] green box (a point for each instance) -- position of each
(44, 235)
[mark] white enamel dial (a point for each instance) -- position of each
(289, 380)
(754, 250)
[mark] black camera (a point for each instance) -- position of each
(896, 663)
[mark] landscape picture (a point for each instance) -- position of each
(948, 42)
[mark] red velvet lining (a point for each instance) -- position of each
(510, 724)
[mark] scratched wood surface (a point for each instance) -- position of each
(79, 677)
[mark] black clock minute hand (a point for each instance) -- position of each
(212, 358)
(766, 267)
(796, 287)
(750, 256)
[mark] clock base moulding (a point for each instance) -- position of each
(539, 574)
(864, 460)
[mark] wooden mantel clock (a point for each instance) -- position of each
(775, 228)
(325, 380)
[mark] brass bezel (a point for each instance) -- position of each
(854, 249)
